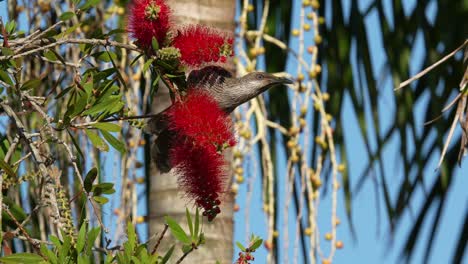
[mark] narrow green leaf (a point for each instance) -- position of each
(66, 16)
(103, 188)
(147, 65)
(81, 238)
(89, 179)
(186, 248)
(97, 141)
(31, 84)
(155, 44)
(89, 4)
(110, 127)
(189, 222)
(52, 258)
(22, 258)
(100, 199)
(256, 244)
(177, 230)
(131, 236)
(117, 144)
(168, 255)
(92, 235)
(5, 77)
(240, 246)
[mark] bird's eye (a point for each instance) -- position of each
(260, 76)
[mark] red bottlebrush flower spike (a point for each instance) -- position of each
(202, 131)
(200, 44)
(148, 19)
(200, 119)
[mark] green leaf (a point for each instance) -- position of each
(186, 248)
(31, 84)
(81, 238)
(100, 199)
(92, 235)
(89, 4)
(22, 258)
(147, 65)
(105, 106)
(5, 77)
(7, 168)
(177, 230)
(110, 127)
(131, 234)
(105, 56)
(66, 16)
(258, 242)
(52, 258)
(103, 188)
(168, 255)
(154, 44)
(189, 222)
(97, 141)
(89, 179)
(240, 246)
(117, 144)
(50, 55)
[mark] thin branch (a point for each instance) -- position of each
(97, 42)
(430, 68)
(160, 239)
(184, 255)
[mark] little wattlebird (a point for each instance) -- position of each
(227, 91)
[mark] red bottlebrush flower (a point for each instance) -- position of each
(200, 119)
(148, 19)
(202, 131)
(200, 44)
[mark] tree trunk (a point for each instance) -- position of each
(165, 197)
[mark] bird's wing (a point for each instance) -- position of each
(204, 78)
(207, 77)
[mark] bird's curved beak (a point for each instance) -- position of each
(281, 80)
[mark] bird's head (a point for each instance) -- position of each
(262, 81)
(249, 86)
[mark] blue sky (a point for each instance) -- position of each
(373, 243)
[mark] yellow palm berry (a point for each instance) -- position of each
(326, 96)
(291, 143)
(302, 122)
(306, 3)
(329, 117)
(316, 182)
(315, 4)
(308, 231)
(306, 27)
(239, 170)
(303, 111)
(310, 15)
(140, 219)
(300, 77)
(275, 233)
(293, 131)
(318, 69)
(295, 32)
(261, 50)
(250, 8)
(341, 168)
(318, 39)
(321, 20)
(328, 236)
(239, 179)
